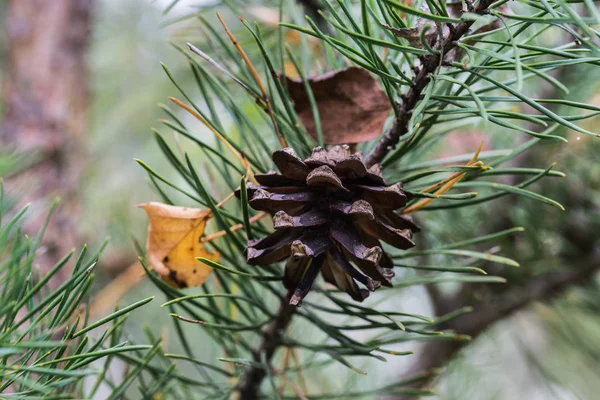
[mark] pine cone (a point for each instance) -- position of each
(329, 213)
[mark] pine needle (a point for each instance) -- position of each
(209, 126)
(256, 78)
(446, 184)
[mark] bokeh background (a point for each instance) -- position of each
(549, 349)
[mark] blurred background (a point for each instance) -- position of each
(74, 117)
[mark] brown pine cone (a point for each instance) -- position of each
(329, 213)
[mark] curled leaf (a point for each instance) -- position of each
(352, 107)
(174, 243)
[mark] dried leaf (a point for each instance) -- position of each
(352, 107)
(174, 242)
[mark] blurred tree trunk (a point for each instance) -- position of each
(45, 96)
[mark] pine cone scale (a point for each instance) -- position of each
(339, 259)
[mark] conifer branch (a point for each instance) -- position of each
(429, 63)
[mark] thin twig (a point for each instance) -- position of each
(216, 235)
(223, 70)
(107, 298)
(286, 363)
(446, 185)
(270, 341)
(299, 369)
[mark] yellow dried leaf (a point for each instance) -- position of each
(174, 242)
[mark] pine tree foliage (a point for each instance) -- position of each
(49, 348)
(445, 66)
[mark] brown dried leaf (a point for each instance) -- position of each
(174, 243)
(352, 107)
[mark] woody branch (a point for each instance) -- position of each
(429, 63)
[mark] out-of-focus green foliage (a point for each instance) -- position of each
(550, 351)
(47, 348)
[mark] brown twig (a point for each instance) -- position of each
(219, 234)
(286, 364)
(429, 63)
(270, 342)
(108, 297)
(300, 393)
(299, 369)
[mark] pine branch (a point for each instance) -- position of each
(249, 302)
(429, 63)
(270, 342)
(539, 288)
